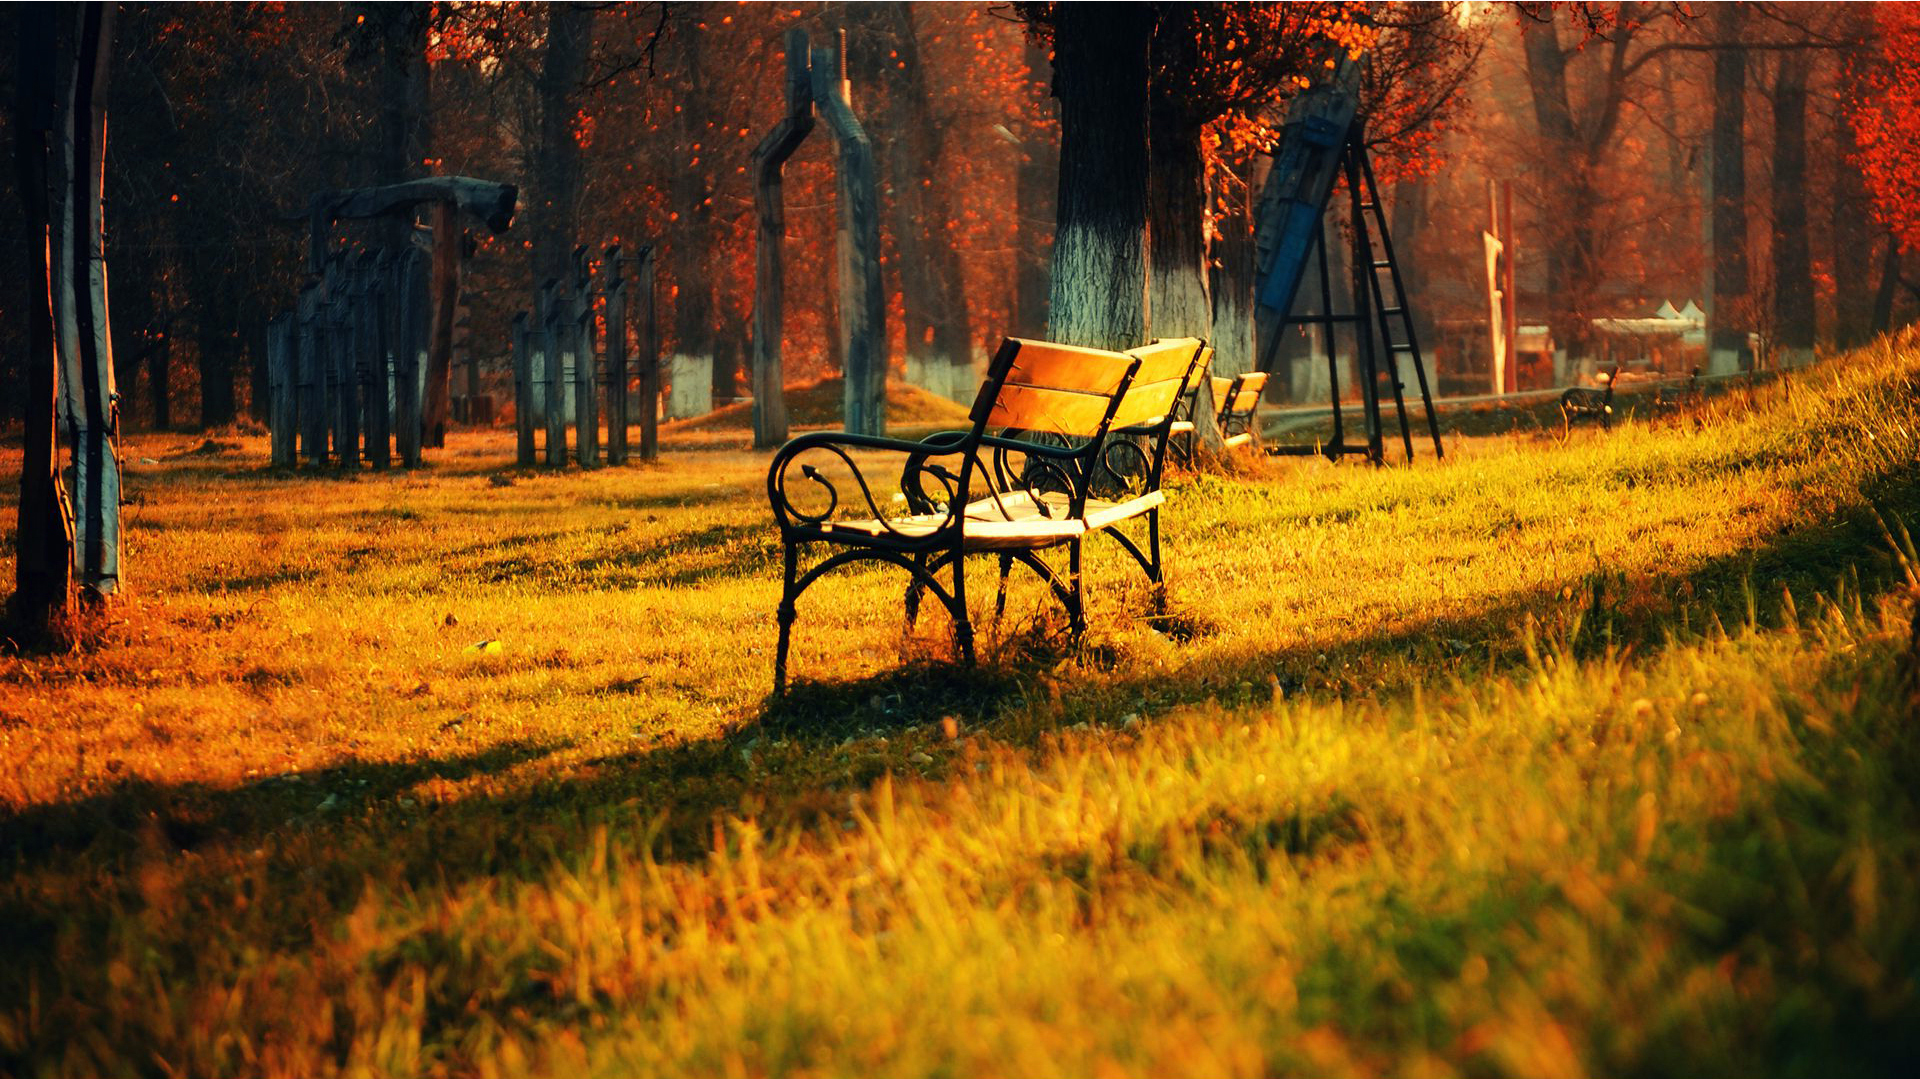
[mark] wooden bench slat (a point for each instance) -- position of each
(1165, 367)
(1066, 367)
(1035, 408)
(1147, 404)
(1165, 359)
(1013, 521)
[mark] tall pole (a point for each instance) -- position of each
(1512, 357)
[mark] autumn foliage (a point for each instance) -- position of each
(1886, 119)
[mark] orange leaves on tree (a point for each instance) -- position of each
(1886, 120)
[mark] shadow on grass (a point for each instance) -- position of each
(797, 758)
(110, 822)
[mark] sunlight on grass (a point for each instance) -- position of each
(1547, 760)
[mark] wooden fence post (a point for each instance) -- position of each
(863, 311)
(551, 375)
(769, 158)
(280, 389)
(615, 291)
(586, 389)
(522, 393)
(379, 407)
(410, 325)
(313, 377)
(649, 362)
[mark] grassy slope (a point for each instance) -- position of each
(1441, 770)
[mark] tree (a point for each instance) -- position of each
(43, 539)
(1729, 179)
(1098, 293)
(1793, 308)
(1886, 121)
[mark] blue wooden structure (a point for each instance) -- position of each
(1322, 143)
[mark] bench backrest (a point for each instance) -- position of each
(1167, 369)
(1239, 395)
(1056, 389)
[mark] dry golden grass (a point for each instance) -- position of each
(1581, 759)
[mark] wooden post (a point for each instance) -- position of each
(379, 340)
(280, 391)
(579, 330)
(615, 291)
(769, 158)
(1506, 285)
(312, 376)
(410, 325)
(522, 393)
(551, 375)
(446, 300)
(863, 311)
(650, 363)
(345, 351)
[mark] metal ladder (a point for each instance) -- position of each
(1366, 205)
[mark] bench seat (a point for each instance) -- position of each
(1013, 522)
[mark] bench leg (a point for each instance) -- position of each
(1000, 599)
(786, 616)
(1077, 610)
(914, 589)
(962, 627)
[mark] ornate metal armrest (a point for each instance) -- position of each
(839, 446)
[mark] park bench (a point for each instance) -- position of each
(1235, 400)
(1584, 402)
(1238, 397)
(1036, 470)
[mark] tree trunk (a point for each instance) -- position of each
(1179, 302)
(43, 539)
(1729, 186)
(1852, 220)
(160, 377)
(1793, 308)
(1036, 186)
(692, 233)
(1233, 277)
(96, 422)
(214, 340)
(1098, 293)
(938, 334)
(554, 210)
(403, 143)
(1889, 281)
(1553, 113)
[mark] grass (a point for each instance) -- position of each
(1554, 759)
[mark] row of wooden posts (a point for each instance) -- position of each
(559, 370)
(345, 367)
